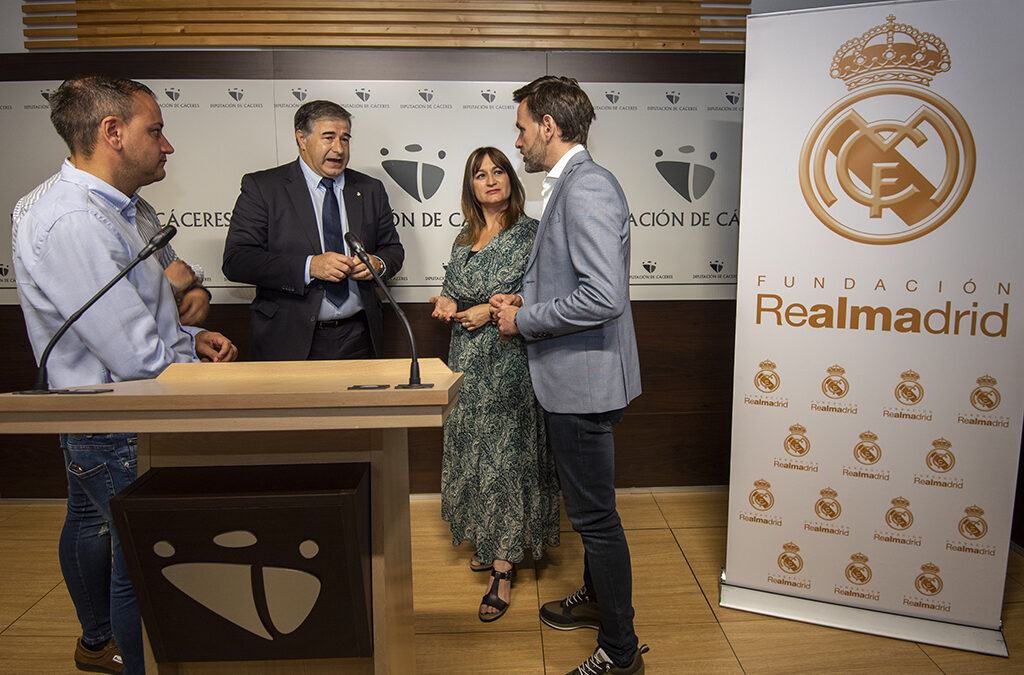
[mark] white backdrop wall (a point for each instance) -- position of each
(675, 148)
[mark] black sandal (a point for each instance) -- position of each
(478, 567)
(492, 599)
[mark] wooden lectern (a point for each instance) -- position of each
(303, 412)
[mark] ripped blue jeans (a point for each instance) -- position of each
(98, 467)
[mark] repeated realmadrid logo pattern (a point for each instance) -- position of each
(909, 391)
(835, 385)
(761, 497)
(827, 507)
(899, 516)
(789, 560)
(766, 379)
(858, 572)
(973, 526)
(940, 458)
(893, 160)
(985, 396)
(796, 443)
(928, 581)
(867, 450)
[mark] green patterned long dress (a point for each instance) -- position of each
(498, 486)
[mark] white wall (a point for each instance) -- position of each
(11, 38)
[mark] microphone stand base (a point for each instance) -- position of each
(414, 386)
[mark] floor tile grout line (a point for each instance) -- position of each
(708, 601)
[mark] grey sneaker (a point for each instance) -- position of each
(575, 611)
(600, 664)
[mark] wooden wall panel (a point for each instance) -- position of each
(697, 25)
(676, 433)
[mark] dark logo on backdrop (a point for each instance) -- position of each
(716, 265)
(690, 179)
(650, 266)
(285, 595)
(612, 96)
(733, 97)
(172, 93)
(488, 95)
(4, 271)
(426, 94)
(363, 94)
(236, 93)
(420, 180)
(673, 96)
(45, 93)
(299, 93)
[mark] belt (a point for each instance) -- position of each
(334, 323)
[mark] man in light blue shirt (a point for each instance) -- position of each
(187, 280)
(79, 234)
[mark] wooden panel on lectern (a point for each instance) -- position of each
(250, 563)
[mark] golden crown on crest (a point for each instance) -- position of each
(986, 381)
(791, 548)
(930, 568)
(762, 484)
(829, 493)
(836, 370)
(941, 444)
(798, 429)
(869, 437)
(909, 376)
(859, 558)
(974, 511)
(890, 52)
(767, 364)
(901, 502)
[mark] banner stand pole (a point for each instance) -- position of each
(872, 622)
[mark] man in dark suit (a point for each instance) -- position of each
(286, 237)
(575, 316)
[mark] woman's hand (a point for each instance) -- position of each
(444, 308)
(474, 317)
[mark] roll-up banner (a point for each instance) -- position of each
(674, 147)
(878, 378)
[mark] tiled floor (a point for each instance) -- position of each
(677, 541)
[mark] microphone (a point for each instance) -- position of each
(156, 242)
(357, 248)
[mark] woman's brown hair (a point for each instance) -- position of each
(471, 209)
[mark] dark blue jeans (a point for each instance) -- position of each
(584, 451)
(98, 467)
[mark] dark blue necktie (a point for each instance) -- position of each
(337, 292)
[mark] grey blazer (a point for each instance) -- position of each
(576, 316)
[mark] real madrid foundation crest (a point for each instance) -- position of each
(893, 160)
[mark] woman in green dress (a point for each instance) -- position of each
(498, 485)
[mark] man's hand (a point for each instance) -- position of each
(361, 272)
(444, 308)
(474, 317)
(501, 299)
(212, 346)
(181, 276)
(332, 266)
(506, 320)
(503, 308)
(194, 307)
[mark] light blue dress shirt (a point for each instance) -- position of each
(353, 304)
(76, 237)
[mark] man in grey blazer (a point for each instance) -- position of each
(575, 316)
